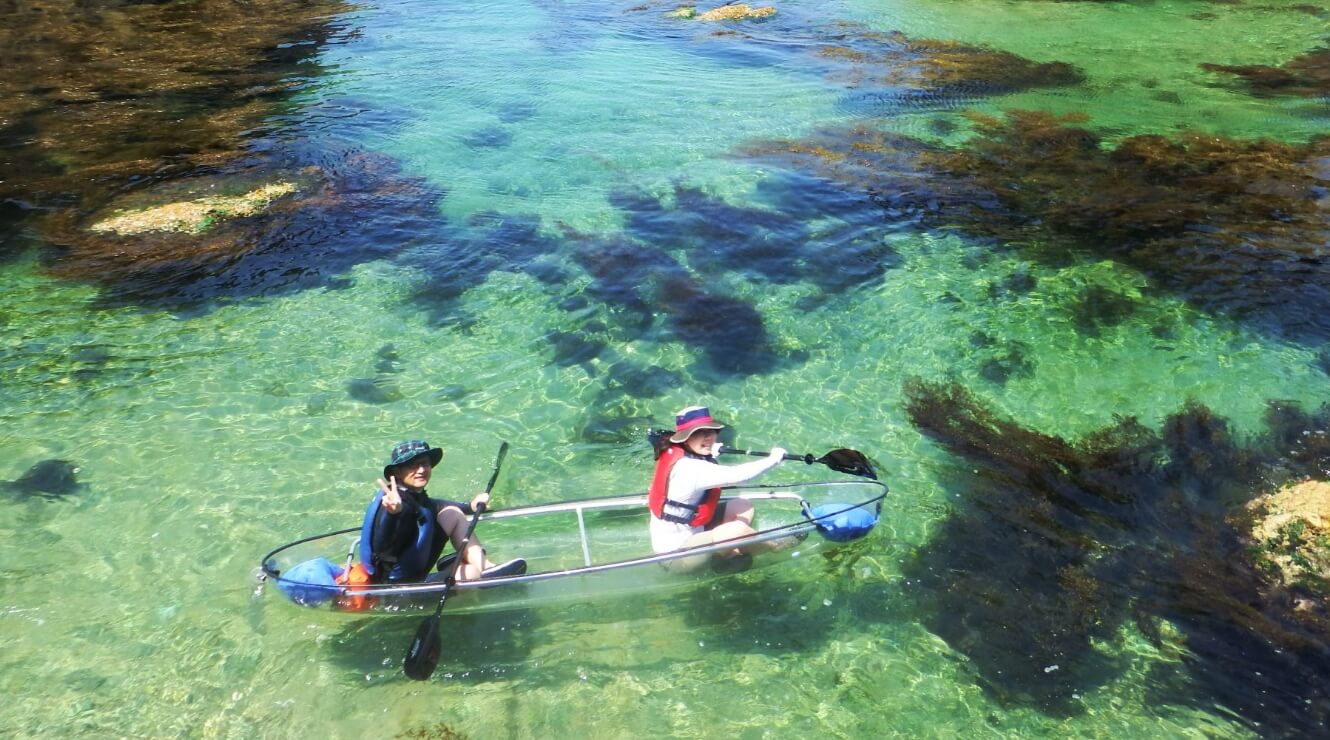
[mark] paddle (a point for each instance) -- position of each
(842, 460)
(423, 655)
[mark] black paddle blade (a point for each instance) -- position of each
(423, 655)
(849, 461)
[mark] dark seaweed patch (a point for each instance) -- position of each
(489, 138)
(1306, 75)
(375, 391)
(643, 382)
(575, 348)
(1229, 225)
(50, 479)
(1052, 546)
(1099, 308)
(461, 258)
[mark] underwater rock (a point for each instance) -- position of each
(1307, 75)
(644, 382)
(517, 111)
(194, 216)
(454, 392)
(1291, 534)
(616, 429)
(642, 280)
(489, 138)
(49, 479)
(373, 390)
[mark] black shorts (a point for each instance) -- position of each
(717, 518)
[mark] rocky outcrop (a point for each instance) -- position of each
(1290, 535)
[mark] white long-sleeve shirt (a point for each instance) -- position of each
(690, 478)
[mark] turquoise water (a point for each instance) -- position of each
(206, 437)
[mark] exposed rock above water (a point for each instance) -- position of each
(735, 12)
(193, 216)
(1290, 534)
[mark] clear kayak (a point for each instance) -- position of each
(580, 550)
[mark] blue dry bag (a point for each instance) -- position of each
(843, 522)
(310, 583)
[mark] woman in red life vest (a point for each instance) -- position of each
(684, 497)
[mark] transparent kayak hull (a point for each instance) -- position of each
(593, 548)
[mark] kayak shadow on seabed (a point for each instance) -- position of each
(758, 612)
(476, 647)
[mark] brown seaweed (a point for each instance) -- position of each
(1306, 75)
(1232, 226)
(1055, 545)
(108, 93)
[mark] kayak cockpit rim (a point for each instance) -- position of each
(578, 507)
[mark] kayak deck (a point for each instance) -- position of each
(576, 550)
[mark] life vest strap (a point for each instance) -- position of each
(667, 515)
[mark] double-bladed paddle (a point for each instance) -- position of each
(842, 459)
(423, 655)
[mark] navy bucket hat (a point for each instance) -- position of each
(404, 452)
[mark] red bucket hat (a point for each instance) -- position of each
(690, 420)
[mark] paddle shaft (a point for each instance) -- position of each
(423, 654)
(808, 458)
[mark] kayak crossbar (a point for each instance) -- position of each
(581, 528)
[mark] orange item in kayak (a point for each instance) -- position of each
(355, 578)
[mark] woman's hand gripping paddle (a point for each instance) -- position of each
(423, 655)
(842, 460)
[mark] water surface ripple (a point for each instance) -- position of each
(1058, 266)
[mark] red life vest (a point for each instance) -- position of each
(660, 487)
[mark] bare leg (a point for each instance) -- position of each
(454, 524)
(740, 510)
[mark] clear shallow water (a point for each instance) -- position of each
(207, 437)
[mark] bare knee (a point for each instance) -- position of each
(450, 517)
(739, 510)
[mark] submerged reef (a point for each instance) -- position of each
(869, 59)
(1053, 548)
(357, 208)
(139, 149)
(115, 92)
(1232, 226)
(1306, 75)
(880, 69)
